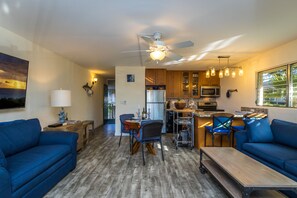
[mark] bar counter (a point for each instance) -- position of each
(202, 119)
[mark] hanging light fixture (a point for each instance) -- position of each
(157, 55)
(207, 74)
(212, 71)
(221, 73)
(227, 72)
(240, 72)
(233, 73)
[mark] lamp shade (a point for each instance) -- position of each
(61, 98)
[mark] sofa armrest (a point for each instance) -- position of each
(59, 137)
(5, 183)
(241, 138)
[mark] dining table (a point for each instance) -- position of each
(133, 125)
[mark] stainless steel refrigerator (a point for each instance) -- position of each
(155, 103)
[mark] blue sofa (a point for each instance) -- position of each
(277, 150)
(31, 161)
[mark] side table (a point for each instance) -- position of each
(77, 127)
(86, 123)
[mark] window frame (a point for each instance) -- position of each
(289, 85)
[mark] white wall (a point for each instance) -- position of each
(129, 94)
(246, 84)
(49, 71)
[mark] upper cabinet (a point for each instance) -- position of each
(173, 84)
(155, 77)
(181, 84)
(190, 84)
(211, 81)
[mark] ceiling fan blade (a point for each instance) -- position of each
(147, 38)
(173, 56)
(148, 60)
(132, 51)
(181, 45)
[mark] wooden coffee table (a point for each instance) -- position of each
(241, 175)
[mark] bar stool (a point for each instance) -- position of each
(221, 125)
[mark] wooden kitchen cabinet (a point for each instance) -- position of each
(186, 84)
(155, 77)
(190, 84)
(211, 81)
(173, 84)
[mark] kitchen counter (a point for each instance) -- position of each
(182, 110)
(207, 114)
(202, 119)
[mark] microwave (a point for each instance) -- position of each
(210, 91)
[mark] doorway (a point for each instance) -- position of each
(109, 102)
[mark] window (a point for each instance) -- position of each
(293, 87)
(278, 87)
(272, 87)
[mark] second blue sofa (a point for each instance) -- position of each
(274, 145)
(31, 161)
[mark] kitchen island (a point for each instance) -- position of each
(202, 119)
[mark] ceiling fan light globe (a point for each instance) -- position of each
(157, 55)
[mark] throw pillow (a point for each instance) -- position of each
(3, 161)
(259, 131)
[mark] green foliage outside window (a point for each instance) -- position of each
(278, 87)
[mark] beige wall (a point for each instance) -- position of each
(129, 95)
(49, 71)
(246, 84)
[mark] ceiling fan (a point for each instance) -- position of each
(158, 50)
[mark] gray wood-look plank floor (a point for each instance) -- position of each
(106, 170)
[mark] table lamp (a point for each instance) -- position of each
(61, 98)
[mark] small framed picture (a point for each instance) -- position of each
(130, 78)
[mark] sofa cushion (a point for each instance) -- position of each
(28, 164)
(275, 154)
(258, 130)
(284, 132)
(3, 161)
(291, 166)
(20, 136)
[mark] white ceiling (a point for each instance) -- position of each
(93, 33)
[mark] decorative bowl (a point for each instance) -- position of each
(180, 105)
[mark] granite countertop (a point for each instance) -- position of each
(186, 110)
(207, 114)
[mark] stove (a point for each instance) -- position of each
(208, 106)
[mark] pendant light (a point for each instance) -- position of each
(240, 72)
(212, 71)
(207, 74)
(221, 73)
(227, 72)
(233, 73)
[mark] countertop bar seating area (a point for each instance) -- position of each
(145, 99)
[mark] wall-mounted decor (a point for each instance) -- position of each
(88, 88)
(130, 78)
(13, 81)
(229, 91)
